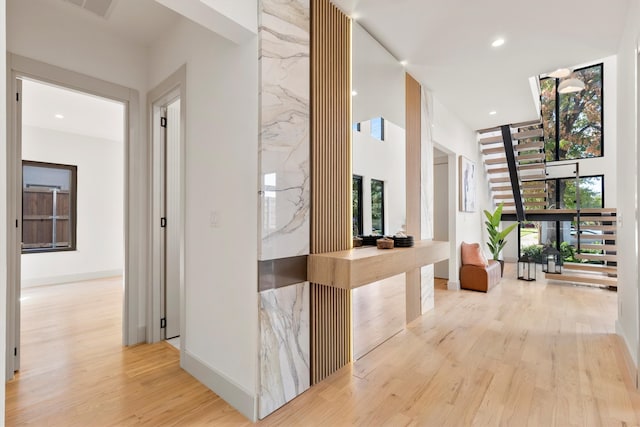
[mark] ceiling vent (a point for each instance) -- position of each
(102, 8)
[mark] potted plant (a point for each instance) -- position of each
(496, 236)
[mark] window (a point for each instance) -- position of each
(573, 121)
(377, 128)
(377, 206)
(356, 127)
(357, 206)
(562, 234)
(48, 207)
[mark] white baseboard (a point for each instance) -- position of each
(68, 278)
(453, 285)
(224, 387)
(631, 363)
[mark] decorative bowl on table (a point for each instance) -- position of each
(384, 243)
(357, 242)
(403, 241)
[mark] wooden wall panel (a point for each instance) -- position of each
(413, 154)
(330, 181)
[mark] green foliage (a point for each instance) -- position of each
(568, 252)
(496, 236)
(533, 252)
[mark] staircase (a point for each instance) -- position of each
(522, 172)
(596, 234)
(528, 149)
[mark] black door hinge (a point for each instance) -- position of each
(163, 222)
(17, 223)
(163, 122)
(15, 351)
(163, 323)
(18, 96)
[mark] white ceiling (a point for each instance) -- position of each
(83, 114)
(140, 21)
(447, 44)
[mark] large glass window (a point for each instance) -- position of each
(561, 194)
(573, 121)
(357, 206)
(48, 207)
(377, 128)
(377, 206)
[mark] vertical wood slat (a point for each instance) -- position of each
(413, 182)
(330, 181)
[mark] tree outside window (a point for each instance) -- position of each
(573, 122)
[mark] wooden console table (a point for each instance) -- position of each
(360, 266)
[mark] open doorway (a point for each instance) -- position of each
(168, 112)
(441, 206)
(72, 235)
(124, 100)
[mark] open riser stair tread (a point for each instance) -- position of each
(595, 218)
(596, 257)
(593, 227)
(591, 247)
(598, 237)
(594, 268)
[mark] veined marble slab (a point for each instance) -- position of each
(284, 346)
(427, 288)
(427, 209)
(285, 189)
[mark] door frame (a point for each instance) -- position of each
(453, 283)
(173, 86)
(135, 257)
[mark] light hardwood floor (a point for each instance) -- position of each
(378, 313)
(525, 354)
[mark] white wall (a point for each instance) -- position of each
(44, 32)
(453, 136)
(221, 177)
(385, 161)
(99, 232)
(3, 210)
(627, 189)
(441, 209)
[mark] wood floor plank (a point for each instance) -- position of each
(524, 354)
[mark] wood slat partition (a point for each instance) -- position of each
(330, 181)
(413, 182)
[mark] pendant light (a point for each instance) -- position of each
(570, 85)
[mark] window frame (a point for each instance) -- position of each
(73, 207)
(557, 114)
(382, 189)
(357, 182)
(380, 137)
(557, 204)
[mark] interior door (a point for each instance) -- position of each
(172, 229)
(14, 238)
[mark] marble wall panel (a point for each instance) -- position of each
(284, 45)
(426, 210)
(284, 349)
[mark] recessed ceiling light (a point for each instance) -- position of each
(497, 42)
(493, 113)
(403, 63)
(59, 116)
(354, 92)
